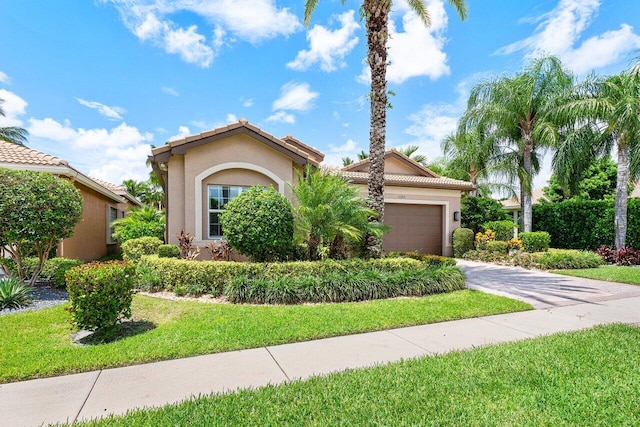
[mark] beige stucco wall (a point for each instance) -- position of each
(243, 159)
(448, 199)
(89, 240)
(395, 166)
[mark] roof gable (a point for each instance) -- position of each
(299, 152)
(395, 163)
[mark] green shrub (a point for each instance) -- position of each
(560, 259)
(14, 294)
(498, 246)
(140, 222)
(134, 249)
(349, 286)
(503, 229)
(565, 222)
(100, 294)
(429, 259)
(462, 241)
(29, 266)
(55, 270)
(259, 223)
(475, 211)
(168, 251)
(486, 256)
(208, 277)
(535, 241)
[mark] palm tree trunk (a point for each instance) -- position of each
(473, 178)
(525, 186)
(620, 215)
(377, 18)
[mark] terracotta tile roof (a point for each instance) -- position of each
(289, 144)
(12, 153)
(109, 186)
(412, 180)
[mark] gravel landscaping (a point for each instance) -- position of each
(42, 297)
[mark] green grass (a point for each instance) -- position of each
(38, 344)
(586, 378)
(611, 273)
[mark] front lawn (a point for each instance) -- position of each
(610, 273)
(586, 378)
(38, 344)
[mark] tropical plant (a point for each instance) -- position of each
(346, 161)
(614, 103)
(475, 211)
(12, 134)
(597, 182)
(520, 112)
(376, 16)
(37, 209)
(329, 210)
(14, 294)
(140, 222)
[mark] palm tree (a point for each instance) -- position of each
(520, 112)
(614, 104)
(327, 210)
(410, 152)
(376, 16)
(346, 161)
(12, 134)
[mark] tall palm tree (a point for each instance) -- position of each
(376, 16)
(520, 111)
(12, 134)
(614, 103)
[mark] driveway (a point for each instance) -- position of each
(539, 288)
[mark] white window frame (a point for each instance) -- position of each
(242, 188)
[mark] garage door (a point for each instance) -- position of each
(413, 228)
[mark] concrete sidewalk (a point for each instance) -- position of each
(114, 391)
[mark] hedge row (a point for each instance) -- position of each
(53, 270)
(585, 224)
(553, 259)
(318, 281)
(429, 259)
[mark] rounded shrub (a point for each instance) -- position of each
(55, 270)
(259, 223)
(168, 251)
(134, 249)
(535, 241)
(503, 229)
(100, 294)
(498, 246)
(462, 241)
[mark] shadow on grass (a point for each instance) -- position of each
(122, 330)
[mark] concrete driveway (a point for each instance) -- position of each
(539, 288)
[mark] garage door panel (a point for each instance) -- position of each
(413, 228)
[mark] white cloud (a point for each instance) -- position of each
(170, 91)
(112, 113)
(417, 50)
(231, 118)
(431, 124)
(281, 117)
(250, 20)
(183, 131)
(559, 32)
(4, 78)
(247, 102)
(328, 47)
(109, 154)
(13, 107)
(295, 96)
(336, 152)
(189, 45)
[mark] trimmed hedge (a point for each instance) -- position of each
(429, 259)
(498, 246)
(553, 259)
(53, 270)
(168, 251)
(462, 241)
(535, 241)
(134, 249)
(343, 287)
(503, 229)
(585, 224)
(100, 294)
(208, 277)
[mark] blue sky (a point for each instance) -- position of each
(98, 82)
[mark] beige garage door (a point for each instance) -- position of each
(413, 227)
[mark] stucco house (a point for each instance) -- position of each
(202, 172)
(102, 202)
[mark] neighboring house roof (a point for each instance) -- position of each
(417, 175)
(513, 203)
(120, 190)
(289, 146)
(14, 156)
